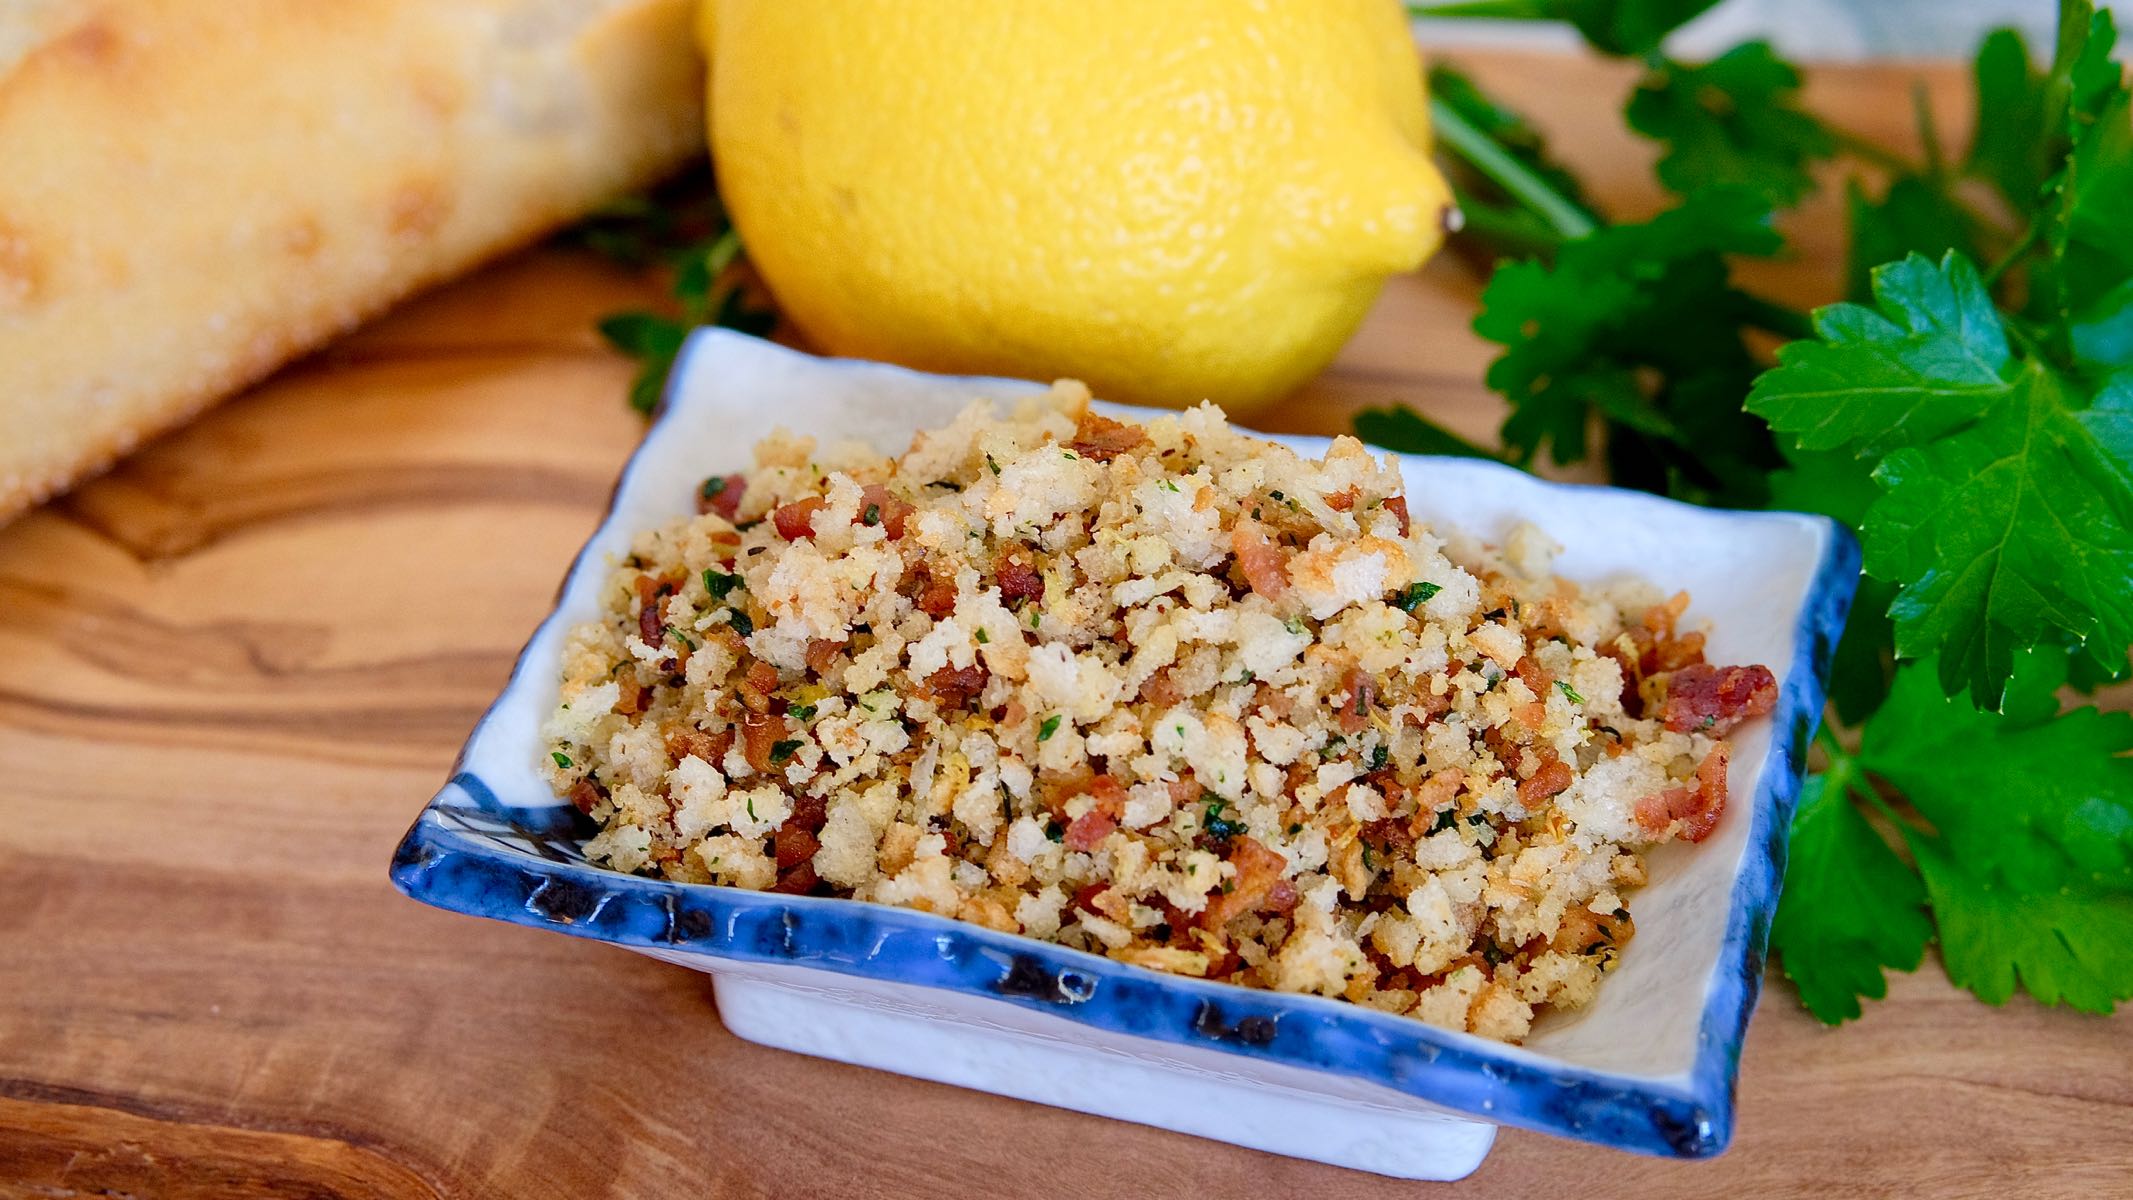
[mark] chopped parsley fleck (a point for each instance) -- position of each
(1367, 864)
(681, 637)
(1380, 754)
(781, 751)
(1569, 691)
(1036, 617)
(1445, 820)
(1492, 952)
(983, 637)
(1477, 817)
(992, 464)
(1277, 496)
(1050, 727)
(751, 810)
(1296, 626)
(1708, 722)
(872, 516)
(740, 622)
(712, 487)
(561, 759)
(1417, 594)
(1053, 831)
(1296, 829)
(1070, 454)
(801, 712)
(1219, 827)
(1333, 746)
(720, 584)
(1168, 486)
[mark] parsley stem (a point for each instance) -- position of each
(1872, 151)
(1512, 232)
(1485, 155)
(1928, 134)
(2014, 254)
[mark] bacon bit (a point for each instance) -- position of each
(1104, 439)
(1362, 695)
(1086, 895)
(822, 653)
(759, 732)
(1697, 809)
(957, 687)
(1265, 565)
(797, 520)
(889, 512)
(1258, 870)
(757, 683)
(651, 621)
(934, 595)
(808, 812)
(1710, 795)
(1554, 777)
(1397, 506)
(1222, 958)
(1184, 790)
(635, 699)
(1016, 570)
(1161, 689)
(799, 881)
(1390, 834)
(1343, 500)
(1110, 796)
(695, 743)
(1087, 831)
(1274, 701)
(794, 846)
(1281, 898)
(726, 502)
(1701, 698)
(584, 794)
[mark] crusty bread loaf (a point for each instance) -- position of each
(193, 192)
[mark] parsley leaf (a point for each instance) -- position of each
(1850, 906)
(1912, 217)
(2028, 794)
(1837, 485)
(652, 340)
(683, 227)
(1640, 323)
(2005, 147)
(2091, 220)
(2008, 514)
(1731, 121)
(2071, 944)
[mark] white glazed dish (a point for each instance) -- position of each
(1650, 1066)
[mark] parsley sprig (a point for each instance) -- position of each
(1969, 413)
(683, 229)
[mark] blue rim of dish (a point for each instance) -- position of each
(452, 858)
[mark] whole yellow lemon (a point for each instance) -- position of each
(1174, 200)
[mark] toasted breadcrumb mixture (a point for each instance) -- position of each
(1162, 692)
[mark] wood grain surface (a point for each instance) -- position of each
(232, 671)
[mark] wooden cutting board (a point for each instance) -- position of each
(232, 671)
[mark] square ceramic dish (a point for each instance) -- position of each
(1649, 1066)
